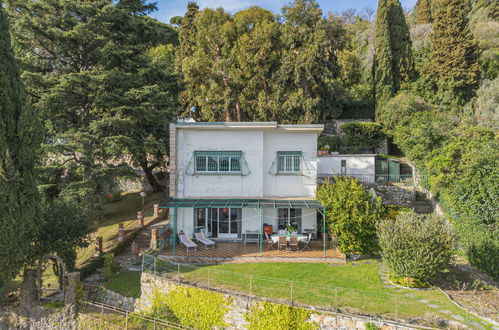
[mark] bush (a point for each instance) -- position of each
(110, 266)
(352, 214)
(334, 142)
(269, 316)
(191, 307)
(363, 134)
(415, 245)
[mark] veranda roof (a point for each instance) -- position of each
(200, 203)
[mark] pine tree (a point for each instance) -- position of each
(19, 141)
(423, 12)
(393, 60)
(454, 53)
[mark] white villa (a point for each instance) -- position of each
(234, 179)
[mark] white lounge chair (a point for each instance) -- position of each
(201, 238)
(187, 242)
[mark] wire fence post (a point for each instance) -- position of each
(336, 299)
(178, 271)
(291, 292)
(155, 258)
(209, 276)
(251, 284)
(126, 320)
(396, 310)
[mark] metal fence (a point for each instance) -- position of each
(405, 179)
(329, 298)
(94, 315)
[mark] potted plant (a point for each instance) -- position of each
(291, 228)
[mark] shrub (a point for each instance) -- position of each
(352, 214)
(363, 134)
(415, 245)
(110, 266)
(333, 141)
(191, 307)
(371, 326)
(269, 316)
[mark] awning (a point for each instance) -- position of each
(240, 203)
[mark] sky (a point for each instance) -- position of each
(169, 8)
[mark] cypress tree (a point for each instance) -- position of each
(423, 12)
(19, 141)
(187, 32)
(393, 60)
(454, 53)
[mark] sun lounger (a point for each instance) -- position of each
(201, 238)
(187, 242)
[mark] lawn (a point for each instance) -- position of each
(126, 283)
(355, 287)
(124, 210)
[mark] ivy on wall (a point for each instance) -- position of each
(191, 307)
(266, 315)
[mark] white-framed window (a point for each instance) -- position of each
(219, 162)
(288, 162)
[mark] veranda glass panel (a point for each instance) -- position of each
(282, 218)
(234, 219)
(224, 221)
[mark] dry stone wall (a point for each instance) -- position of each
(241, 305)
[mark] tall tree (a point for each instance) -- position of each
(19, 143)
(454, 53)
(85, 65)
(423, 12)
(393, 60)
(308, 63)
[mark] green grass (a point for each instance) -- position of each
(352, 288)
(126, 284)
(124, 210)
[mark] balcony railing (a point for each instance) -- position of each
(375, 178)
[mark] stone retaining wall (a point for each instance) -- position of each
(395, 194)
(112, 298)
(242, 304)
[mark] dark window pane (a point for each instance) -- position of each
(213, 163)
(200, 163)
(224, 164)
(235, 165)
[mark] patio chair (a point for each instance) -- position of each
(187, 242)
(201, 238)
(270, 242)
(293, 242)
(282, 242)
(307, 242)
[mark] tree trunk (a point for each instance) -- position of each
(156, 187)
(29, 295)
(238, 111)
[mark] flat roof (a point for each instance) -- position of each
(250, 125)
(201, 203)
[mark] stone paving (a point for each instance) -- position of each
(383, 274)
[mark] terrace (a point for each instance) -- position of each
(238, 252)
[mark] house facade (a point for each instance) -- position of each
(228, 179)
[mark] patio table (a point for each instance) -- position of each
(301, 238)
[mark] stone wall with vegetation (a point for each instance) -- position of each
(395, 194)
(202, 308)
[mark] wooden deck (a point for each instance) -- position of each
(233, 252)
